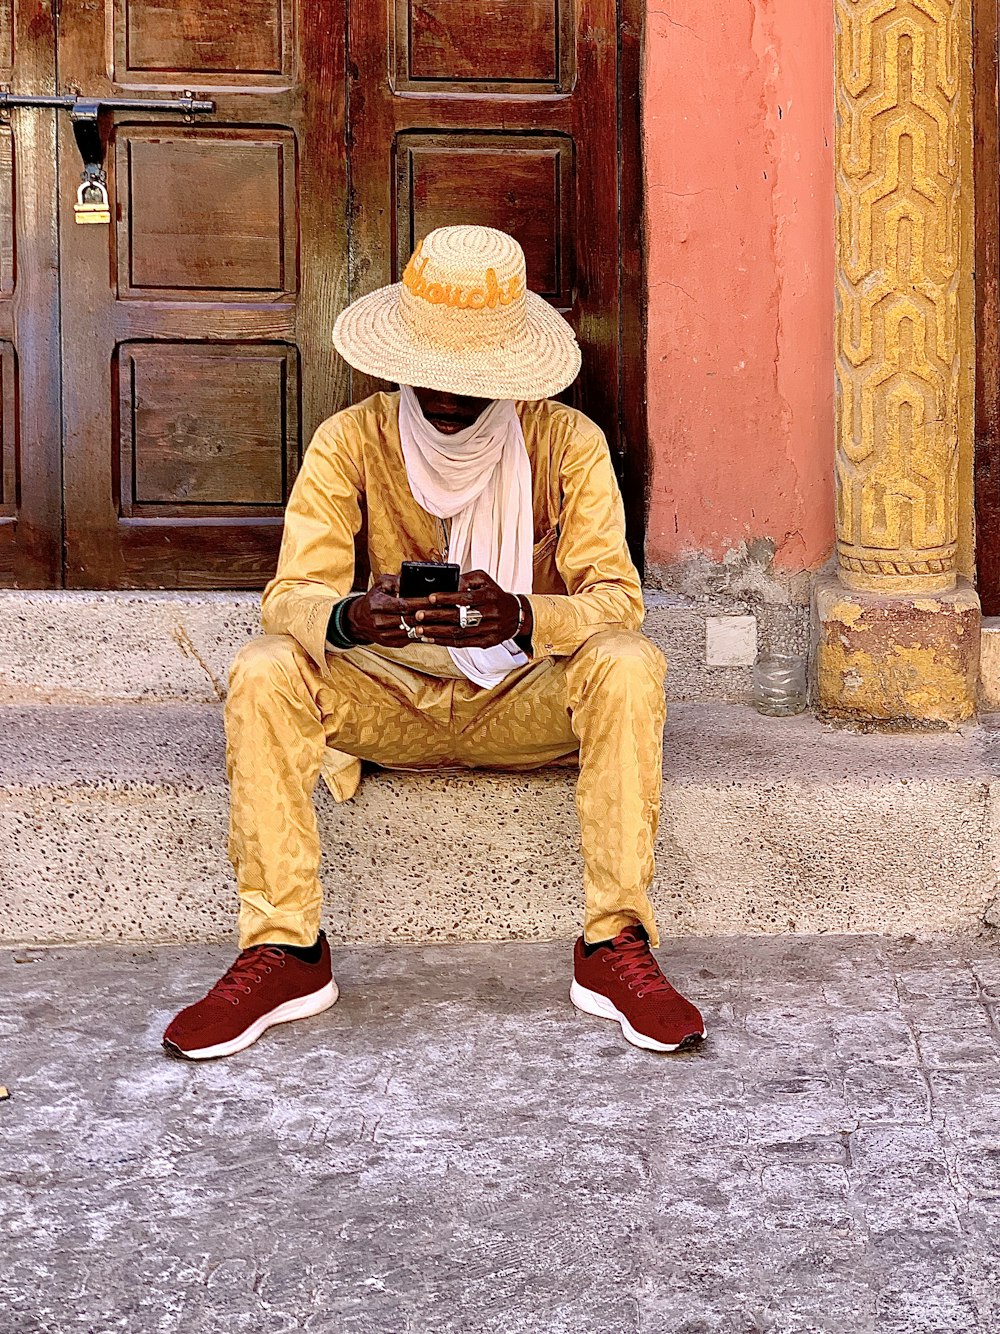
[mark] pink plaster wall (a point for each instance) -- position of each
(739, 194)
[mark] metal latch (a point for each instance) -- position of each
(79, 106)
(92, 203)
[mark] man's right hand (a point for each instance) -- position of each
(376, 617)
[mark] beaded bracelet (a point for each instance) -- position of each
(336, 631)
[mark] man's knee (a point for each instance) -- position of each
(620, 657)
(264, 663)
(628, 650)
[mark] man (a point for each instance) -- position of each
(537, 658)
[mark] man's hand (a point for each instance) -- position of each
(438, 618)
(377, 617)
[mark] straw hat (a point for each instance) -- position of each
(463, 321)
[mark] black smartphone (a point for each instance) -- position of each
(421, 578)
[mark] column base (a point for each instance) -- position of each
(901, 659)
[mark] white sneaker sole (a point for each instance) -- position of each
(303, 1007)
(592, 1002)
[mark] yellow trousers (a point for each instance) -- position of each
(409, 709)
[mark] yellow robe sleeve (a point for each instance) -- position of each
(603, 587)
(316, 561)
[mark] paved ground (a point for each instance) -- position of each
(452, 1148)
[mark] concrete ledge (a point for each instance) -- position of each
(87, 648)
(113, 827)
(94, 647)
(989, 665)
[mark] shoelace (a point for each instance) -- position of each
(633, 961)
(251, 965)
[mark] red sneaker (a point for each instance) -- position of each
(622, 981)
(265, 986)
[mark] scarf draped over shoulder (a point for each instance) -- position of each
(480, 479)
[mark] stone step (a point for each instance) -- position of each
(113, 827)
(93, 647)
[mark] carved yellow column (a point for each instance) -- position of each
(898, 630)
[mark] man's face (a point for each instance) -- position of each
(450, 412)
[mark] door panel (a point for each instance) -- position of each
(229, 233)
(197, 329)
(435, 170)
(206, 427)
(510, 121)
(30, 499)
(512, 46)
(171, 39)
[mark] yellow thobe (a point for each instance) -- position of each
(593, 688)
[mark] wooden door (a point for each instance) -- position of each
(196, 328)
(30, 492)
(522, 115)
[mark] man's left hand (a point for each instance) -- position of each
(500, 611)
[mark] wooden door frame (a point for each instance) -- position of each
(635, 461)
(986, 176)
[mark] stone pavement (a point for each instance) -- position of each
(453, 1148)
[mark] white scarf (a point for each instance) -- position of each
(480, 478)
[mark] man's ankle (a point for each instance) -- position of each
(307, 953)
(589, 949)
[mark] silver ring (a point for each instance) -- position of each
(411, 630)
(469, 616)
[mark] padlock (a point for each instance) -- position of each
(92, 203)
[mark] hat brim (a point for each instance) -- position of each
(539, 361)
